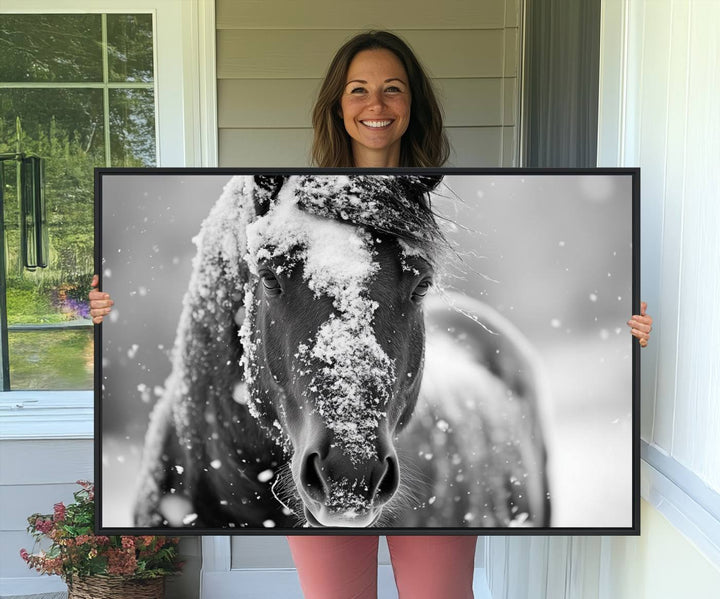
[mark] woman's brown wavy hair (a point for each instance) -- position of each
(424, 144)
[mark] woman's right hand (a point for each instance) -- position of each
(100, 302)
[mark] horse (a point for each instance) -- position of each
(317, 382)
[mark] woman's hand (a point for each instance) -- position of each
(641, 325)
(99, 302)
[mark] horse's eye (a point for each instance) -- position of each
(270, 283)
(421, 290)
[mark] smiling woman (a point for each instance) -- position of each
(377, 97)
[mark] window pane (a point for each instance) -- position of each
(50, 48)
(50, 335)
(132, 127)
(65, 127)
(52, 359)
(130, 47)
(51, 119)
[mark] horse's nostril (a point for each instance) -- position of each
(389, 481)
(340, 485)
(311, 477)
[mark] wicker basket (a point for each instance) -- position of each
(116, 587)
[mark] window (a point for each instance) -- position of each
(186, 135)
(78, 91)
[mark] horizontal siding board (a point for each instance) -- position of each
(512, 13)
(264, 147)
(19, 501)
(11, 564)
(307, 53)
(280, 103)
(510, 150)
(369, 14)
(510, 101)
(470, 146)
(472, 102)
(475, 146)
(511, 39)
(37, 462)
(261, 103)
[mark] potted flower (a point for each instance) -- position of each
(96, 566)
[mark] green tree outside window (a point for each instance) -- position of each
(81, 87)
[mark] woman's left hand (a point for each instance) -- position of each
(641, 325)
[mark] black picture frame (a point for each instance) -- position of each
(582, 224)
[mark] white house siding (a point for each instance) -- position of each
(34, 475)
(272, 56)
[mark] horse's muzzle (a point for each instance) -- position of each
(337, 491)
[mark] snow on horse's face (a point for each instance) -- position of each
(333, 346)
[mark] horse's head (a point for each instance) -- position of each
(333, 333)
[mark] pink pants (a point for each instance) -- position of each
(428, 567)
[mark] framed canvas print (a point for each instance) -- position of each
(305, 351)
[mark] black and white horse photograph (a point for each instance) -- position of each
(381, 352)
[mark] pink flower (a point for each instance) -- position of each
(24, 554)
(59, 509)
(128, 542)
(44, 526)
(121, 562)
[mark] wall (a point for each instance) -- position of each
(271, 58)
(660, 82)
(660, 564)
(659, 94)
(659, 87)
(41, 459)
(34, 475)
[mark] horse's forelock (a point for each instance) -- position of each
(394, 205)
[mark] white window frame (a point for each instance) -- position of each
(186, 129)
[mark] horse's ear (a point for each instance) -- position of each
(267, 188)
(419, 184)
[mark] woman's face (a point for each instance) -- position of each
(375, 107)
